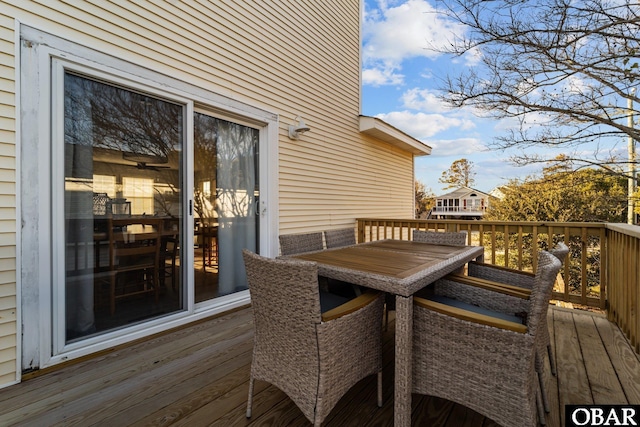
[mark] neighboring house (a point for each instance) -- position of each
(168, 124)
(497, 192)
(463, 203)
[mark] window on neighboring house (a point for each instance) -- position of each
(138, 191)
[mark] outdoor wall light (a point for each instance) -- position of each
(296, 130)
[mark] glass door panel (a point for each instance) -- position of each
(225, 202)
(123, 183)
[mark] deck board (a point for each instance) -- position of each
(198, 376)
(573, 383)
(551, 381)
(622, 357)
(605, 387)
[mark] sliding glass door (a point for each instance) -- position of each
(123, 198)
(225, 204)
(128, 235)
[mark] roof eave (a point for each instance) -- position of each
(383, 131)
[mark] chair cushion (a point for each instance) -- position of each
(330, 301)
(475, 309)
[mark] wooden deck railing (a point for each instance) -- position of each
(623, 277)
(602, 269)
(511, 244)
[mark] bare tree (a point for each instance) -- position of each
(565, 70)
(459, 174)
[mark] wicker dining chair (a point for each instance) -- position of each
(292, 244)
(522, 279)
(312, 355)
(339, 238)
(481, 358)
(452, 238)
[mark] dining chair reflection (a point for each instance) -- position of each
(134, 258)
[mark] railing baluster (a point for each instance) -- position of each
(493, 243)
(520, 247)
(604, 286)
(583, 277)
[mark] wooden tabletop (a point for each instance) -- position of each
(396, 266)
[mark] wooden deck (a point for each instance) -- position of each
(197, 376)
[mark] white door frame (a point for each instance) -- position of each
(41, 237)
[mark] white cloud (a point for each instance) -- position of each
(528, 121)
(423, 126)
(424, 100)
(393, 33)
(381, 76)
(472, 57)
(457, 147)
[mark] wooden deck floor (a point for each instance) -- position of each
(197, 376)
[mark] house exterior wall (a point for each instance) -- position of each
(8, 285)
(291, 57)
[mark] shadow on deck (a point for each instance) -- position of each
(198, 376)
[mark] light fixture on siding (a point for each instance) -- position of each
(296, 130)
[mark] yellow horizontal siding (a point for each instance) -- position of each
(342, 180)
(7, 342)
(8, 86)
(7, 175)
(7, 251)
(6, 71)
(6, 354)
(7, 265)
(7, 158)
(7, 369)
(7, 111)
(7, 239)
(7, 303)
(6, 200)
(223, 44)
(236, 51)
(7, 372)
(7, 316)
(8, 223)
(7, 188)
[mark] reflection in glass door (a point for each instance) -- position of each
(123, 185)
(225, 202)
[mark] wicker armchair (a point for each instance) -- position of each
(452, 238)
(480, 358)
(524, 280)
(292, 244)
(314, 356)
(339, 238)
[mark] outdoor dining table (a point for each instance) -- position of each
(401, 268)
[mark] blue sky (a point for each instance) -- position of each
(400, 76)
